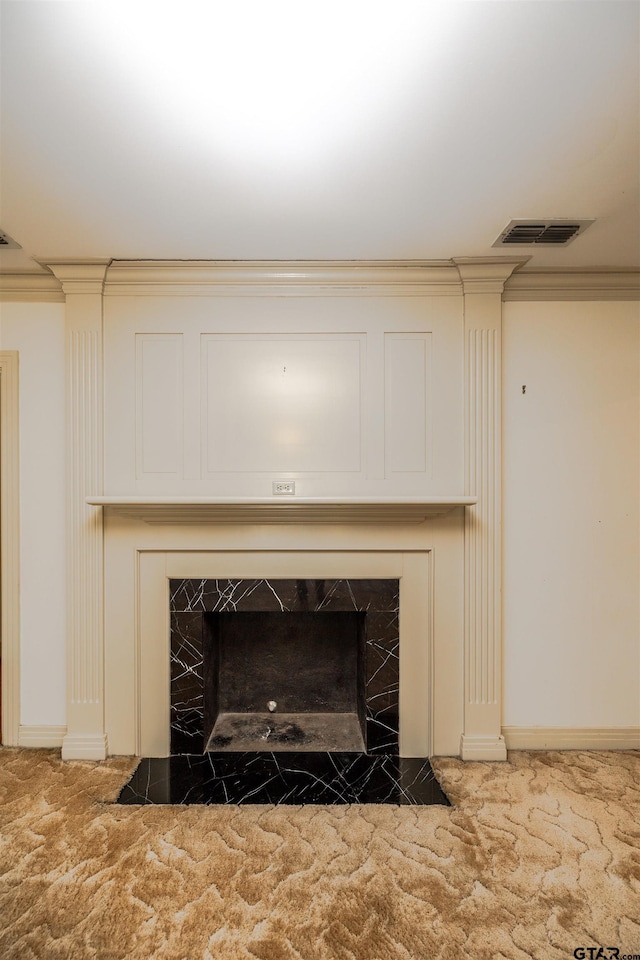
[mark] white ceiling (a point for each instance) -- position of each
(274, 129)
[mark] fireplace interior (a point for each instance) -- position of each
(284, 681)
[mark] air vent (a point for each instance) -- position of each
(6, 242)
(526, 232)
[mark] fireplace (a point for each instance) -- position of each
(405, 484)
(287, 691)
(377, 602)
(282, 665)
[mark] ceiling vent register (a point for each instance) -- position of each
(526, 232)
(6, 241)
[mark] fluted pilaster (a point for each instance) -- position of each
(483, 284)
(82, 284)
(84, 550)
(482, 556)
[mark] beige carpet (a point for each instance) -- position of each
(539, 856)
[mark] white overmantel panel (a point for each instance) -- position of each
(348, 382)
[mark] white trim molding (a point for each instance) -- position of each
(10, 545)
(79, 276)
(596, 284)
(280, 278)
(87, 747)
(572, 738)
(482, 748)
(211, 277)
(50, 737)
(30, 287)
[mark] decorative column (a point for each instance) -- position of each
(483, 282)
(82, 284)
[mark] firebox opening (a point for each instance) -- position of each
(292, 680)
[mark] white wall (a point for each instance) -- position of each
(571, 535)
(571, 490)
(36, 331)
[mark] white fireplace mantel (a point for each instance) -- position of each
(280, 510)
(139, 374)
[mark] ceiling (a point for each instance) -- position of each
(328, 130)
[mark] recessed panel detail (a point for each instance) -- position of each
(159, 404)
(282, 404)
(407, 358)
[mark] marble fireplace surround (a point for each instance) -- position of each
(287, 665)
(142, 557)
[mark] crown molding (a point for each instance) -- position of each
(78, 276)
(30, 288)
(487, 274)
(280, 277)
(577, 284)
(512, 278)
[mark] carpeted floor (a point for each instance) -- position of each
(538, 857)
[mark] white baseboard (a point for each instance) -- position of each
(471, 748)
(572, 738)
(482, 748)
(41, 736)
(92, 746)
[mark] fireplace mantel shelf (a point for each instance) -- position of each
(280, 509)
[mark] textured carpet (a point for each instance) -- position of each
(537, 857)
